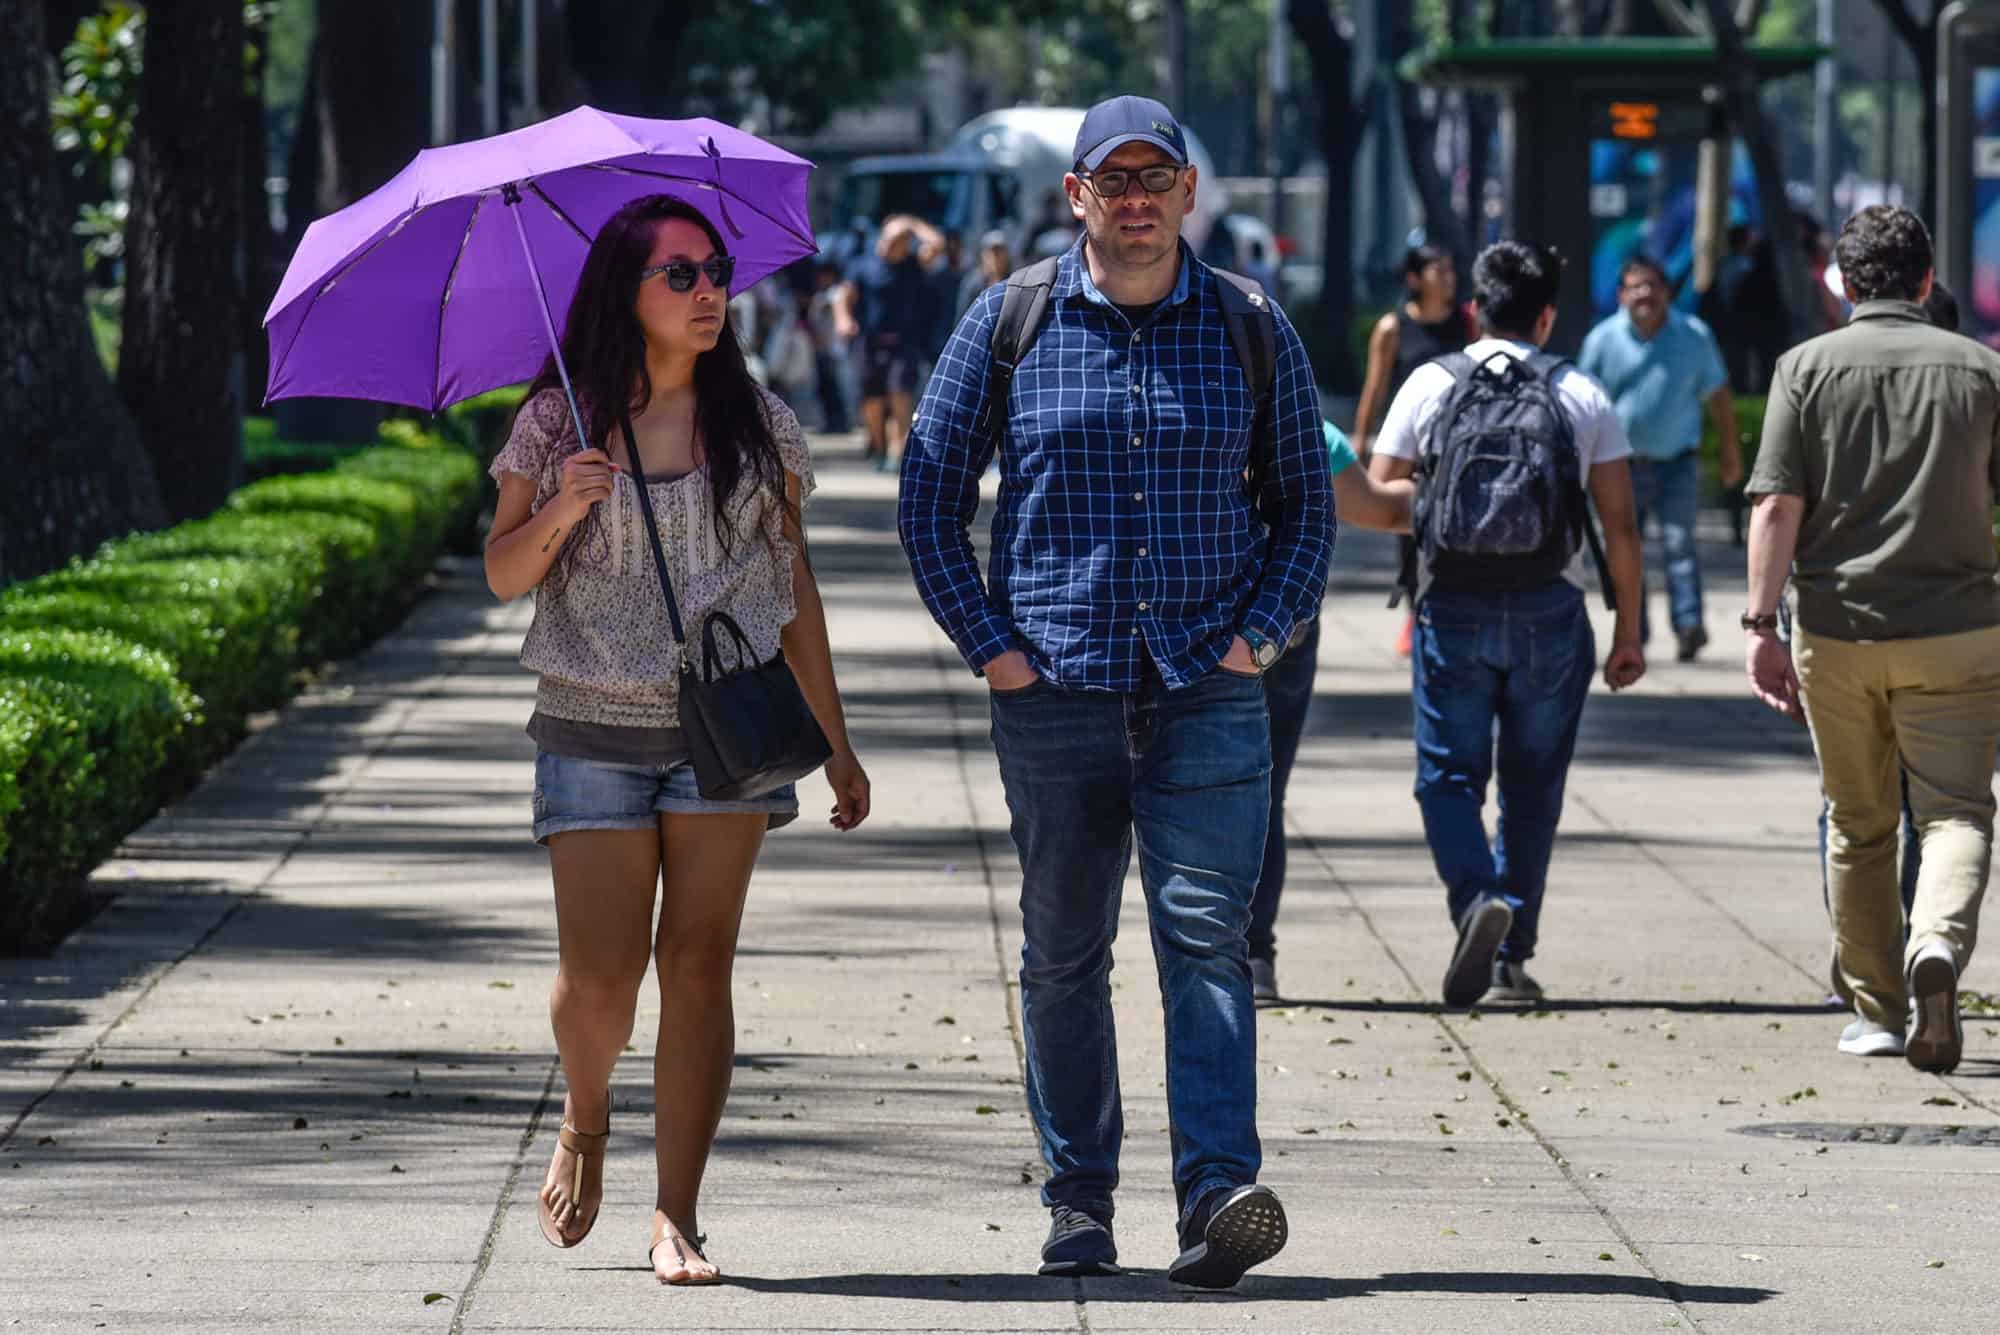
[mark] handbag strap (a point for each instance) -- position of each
(653, 534)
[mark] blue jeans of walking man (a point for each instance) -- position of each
(1184, 776)
(1523, 662)
(1670, 490)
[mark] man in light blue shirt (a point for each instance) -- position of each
(1661, 368)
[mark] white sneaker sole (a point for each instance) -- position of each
(1936, 1041)
(1874, 1045)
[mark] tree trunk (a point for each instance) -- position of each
(263, 260)
(1331, 55)
(1739, 84)
(180, 366)
(76, 471)
(372, 69)
(1921, 39)
(1420, 132)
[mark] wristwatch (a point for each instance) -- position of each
(1753, 621)
(1264, 653)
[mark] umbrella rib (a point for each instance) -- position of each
(710, 185)
(557, 209)
(444, 299)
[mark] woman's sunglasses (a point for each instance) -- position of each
(681, 273)
(1113, 184)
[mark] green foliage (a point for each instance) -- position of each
(1749, 430)
(126, 673)
(98, 98)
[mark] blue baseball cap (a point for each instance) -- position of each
(1118, 121)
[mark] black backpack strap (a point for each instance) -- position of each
(1548, 366)
(1022, 309)
(1253, 332)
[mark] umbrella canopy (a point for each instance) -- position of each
(425, 292)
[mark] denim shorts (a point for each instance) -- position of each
(573, 794)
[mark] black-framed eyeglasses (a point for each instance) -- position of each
(681, 273)
(1156, 180)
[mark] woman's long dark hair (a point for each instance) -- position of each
(604, 348)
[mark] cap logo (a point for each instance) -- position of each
(1163, 128)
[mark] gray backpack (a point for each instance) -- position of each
(1500, 500)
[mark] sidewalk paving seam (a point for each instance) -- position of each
(325, 807)
(505, 1201)
(1009, 988)
(1668, 1288)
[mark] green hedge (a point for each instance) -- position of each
(1749, 430)
(128, 672)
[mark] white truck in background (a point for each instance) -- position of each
(1002, 170)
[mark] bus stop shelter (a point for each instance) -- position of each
(1601, 151)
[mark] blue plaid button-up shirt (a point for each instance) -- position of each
(1124, 529)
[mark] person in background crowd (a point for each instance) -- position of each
(829, 350)
(1662, 368)
(886, 304)
(1288, 688)
(1427, 323)
(1874, 489)
(996, 261)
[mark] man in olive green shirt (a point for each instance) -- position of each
(1874, 488)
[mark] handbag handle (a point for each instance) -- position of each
(711, 653)
(653, 536)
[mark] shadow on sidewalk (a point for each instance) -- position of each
(1584, 1005)
(1142, 1286)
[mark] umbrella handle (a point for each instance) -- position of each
(510, 194)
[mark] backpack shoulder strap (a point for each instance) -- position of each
(1253, 330)
(1548, 366)
(1023, 307)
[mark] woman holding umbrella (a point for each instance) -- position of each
(662, 393)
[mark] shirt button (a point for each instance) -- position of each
(1137, 390)
(1144, 606)
(1138, 495)
(1142, 551)
(1137, 441)
(1135, 338)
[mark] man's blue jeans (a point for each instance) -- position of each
(1186, 775)
(1671, 490)
(1523, 662)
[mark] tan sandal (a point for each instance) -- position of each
(583, 1147)
(699, 1241)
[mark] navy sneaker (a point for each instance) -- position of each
(1080, 1241)
(1480, 933)
(1229, 1230)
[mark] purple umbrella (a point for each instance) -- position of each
(447, 281)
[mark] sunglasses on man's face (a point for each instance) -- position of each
(1113, 184)
(681, 273)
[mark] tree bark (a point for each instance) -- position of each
(76, 471)
(372, 76)
(1330, 54)
(1921, 39)
(1420, 131)
(180, 365)
(263, 258)
(1739, 83)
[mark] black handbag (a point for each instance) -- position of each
(747, 724)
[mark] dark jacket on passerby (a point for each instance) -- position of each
(1889, 429)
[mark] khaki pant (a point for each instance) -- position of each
(1932, 703)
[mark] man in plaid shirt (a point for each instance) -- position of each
(1135, 595)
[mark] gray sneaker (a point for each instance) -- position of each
(1480, 933)
(1513, 982)
(1936, 1040)
(1264, 981)
(1865, 1038)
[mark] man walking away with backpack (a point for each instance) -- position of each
(1874, 490)
(1137, 591)
(1505, 442)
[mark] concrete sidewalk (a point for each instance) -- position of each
(299, 1076)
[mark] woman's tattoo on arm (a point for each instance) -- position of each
(554, 533)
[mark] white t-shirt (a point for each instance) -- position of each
(1600, 436)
